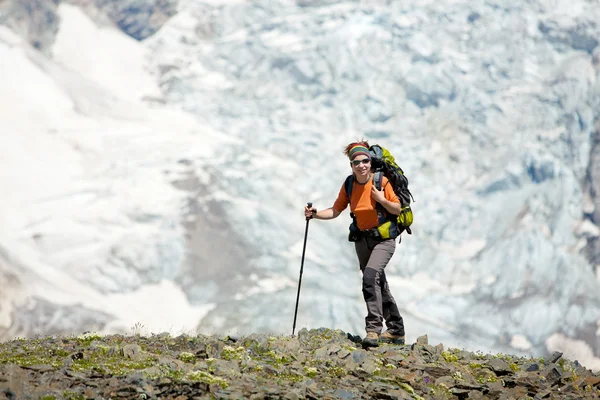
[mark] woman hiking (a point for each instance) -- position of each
(372, 249)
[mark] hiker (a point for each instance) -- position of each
(373, 251)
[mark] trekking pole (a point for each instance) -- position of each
(301, 269)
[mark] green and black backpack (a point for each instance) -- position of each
(384, 164)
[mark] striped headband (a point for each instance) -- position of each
(358, 150)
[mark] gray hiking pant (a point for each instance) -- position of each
(373, 256)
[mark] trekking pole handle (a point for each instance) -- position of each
(309, 204)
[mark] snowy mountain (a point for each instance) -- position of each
(157, 155)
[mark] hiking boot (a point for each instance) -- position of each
(388, 337)
(371, 340)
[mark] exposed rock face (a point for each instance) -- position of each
(137, 18)
(38, 21)
(210, 274)
(35, 20)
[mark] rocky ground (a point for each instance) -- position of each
(316, 364)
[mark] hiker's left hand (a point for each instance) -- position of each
(377, 195)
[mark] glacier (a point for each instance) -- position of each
(168, 169)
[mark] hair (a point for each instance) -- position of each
(361, 142)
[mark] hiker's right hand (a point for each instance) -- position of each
(309, 212)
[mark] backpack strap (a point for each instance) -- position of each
(378, 179)
(382, 215)
(348, 186)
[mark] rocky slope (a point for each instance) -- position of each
(317, 364)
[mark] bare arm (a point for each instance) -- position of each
(328, 213)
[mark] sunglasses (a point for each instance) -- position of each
(363, 161)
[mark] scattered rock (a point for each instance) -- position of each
(132, 351)
(531, 367)
(555, 357)
(499, 366)
(422, 340)
(39, 367)
(551, 372)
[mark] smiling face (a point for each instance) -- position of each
(361, 165)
